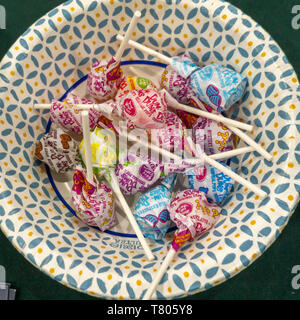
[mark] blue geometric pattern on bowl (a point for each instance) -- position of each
(55, 53)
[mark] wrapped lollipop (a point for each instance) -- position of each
(66, 114)
(193, 215)
(213, 137)
(142, 108)
(173, 136)
(58, 150)
(93, 201)
(151, 211)
(214, 95)
(136, 173)
(105, 77)
(102, 154)
(211, 181)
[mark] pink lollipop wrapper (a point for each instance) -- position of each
(137, 173)
(94, 202)
(213, 137)
(58, 150)
(173, 136)
(104, 79)
(144, 108)
(130, 83)
(193, 215)
(65, 115)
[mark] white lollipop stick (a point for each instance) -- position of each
(229, 122)
(162, 270)
(116, 188)
(87, 146)
(146, 50)
(125, 39)
(208, 159)
(227, 171)
(251, 142)
(168, 154)
(173, 103)
(103, 107)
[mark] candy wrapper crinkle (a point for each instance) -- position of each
(151, 209)
(193, 215)
(218, 86)
(94, 202)
(58, 150)
(214, 183)
(64, 113)
(130, 83)
(213, 137)
(104, 79)
(136, 173)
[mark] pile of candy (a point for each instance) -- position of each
(184, 122)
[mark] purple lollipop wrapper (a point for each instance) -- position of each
(137, 173)
(213, 137)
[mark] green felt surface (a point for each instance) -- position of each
(270, 276)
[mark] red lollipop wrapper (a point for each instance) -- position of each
(67, 116)
(94, 202)
(193, 215)
(58, 150)
(144, 108)
(104, 79)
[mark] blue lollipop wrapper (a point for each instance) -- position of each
(214, 183)
(151, 211)
(216, 85)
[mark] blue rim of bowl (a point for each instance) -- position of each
(73, 87)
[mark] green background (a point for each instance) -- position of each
(270, 276)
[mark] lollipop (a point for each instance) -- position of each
(213, 93)
(67, 115)
(105, 76)
(211, 181)
(142, 108)
(137, 173)
(151, 211)
(102, 154)
(193, 215)
(58, 150)
(93, 201)
(213, 137)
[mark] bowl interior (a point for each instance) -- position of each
(57, 52)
